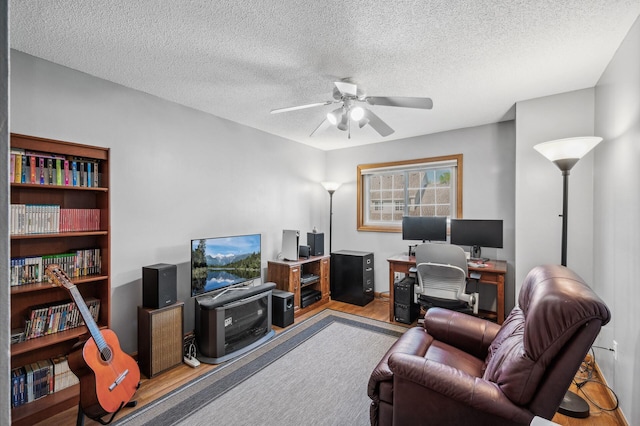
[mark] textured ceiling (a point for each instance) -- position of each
(240, 59)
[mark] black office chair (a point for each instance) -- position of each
(442, 272)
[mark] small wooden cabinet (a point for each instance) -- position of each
(160, 338)
(301, 276)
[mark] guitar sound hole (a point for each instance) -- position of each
(106, 354)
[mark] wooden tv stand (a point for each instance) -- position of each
(288, 274)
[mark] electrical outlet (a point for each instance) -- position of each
(615, 350)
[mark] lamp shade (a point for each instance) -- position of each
(331, 186)
(335, 116)
(357, 113)
(565, 153)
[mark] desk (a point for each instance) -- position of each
(493, 273)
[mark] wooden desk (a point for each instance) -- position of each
(493, 273)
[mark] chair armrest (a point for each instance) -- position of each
(454, 388)
(465, 332)
(414, 341)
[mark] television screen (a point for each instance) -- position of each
(424, 228)
(472, 232)
(221, 262)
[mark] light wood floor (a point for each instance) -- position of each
(151, 389)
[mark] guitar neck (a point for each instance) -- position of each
(87, 317)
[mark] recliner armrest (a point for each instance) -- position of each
(454, 386)
(465, 332)
(414, 341)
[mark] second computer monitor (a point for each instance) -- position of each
(476, 233)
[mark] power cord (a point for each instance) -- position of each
(189, 351)
(585, 375)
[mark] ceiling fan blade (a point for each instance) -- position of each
(321, 127)
(295, 108)
(377, 124)
(347, 88)
(400, 101)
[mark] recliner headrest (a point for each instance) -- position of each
(554, 303)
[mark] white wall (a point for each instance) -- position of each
(617, 219)
(5, 318)
(488, 192)
(176, 174)
(538, 200)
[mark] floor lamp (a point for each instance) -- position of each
(565, 153)
(331, 187)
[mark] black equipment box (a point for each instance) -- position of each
(405, 310)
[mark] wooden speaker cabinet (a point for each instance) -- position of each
(160, 338)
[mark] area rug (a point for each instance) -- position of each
(314, 373)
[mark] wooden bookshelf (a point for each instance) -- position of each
(97, 285)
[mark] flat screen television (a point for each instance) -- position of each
(476, 233)
(424, 228)
(222, 262)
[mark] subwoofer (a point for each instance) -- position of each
(282, 305)
(159, 285)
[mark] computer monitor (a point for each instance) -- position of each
(424, 228)
(476, 233)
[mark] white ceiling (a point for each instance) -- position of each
(239, 59)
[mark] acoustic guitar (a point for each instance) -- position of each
(108, 376)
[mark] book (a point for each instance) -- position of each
(89, 175)
(12, 168)
(66, 172)
(41, 170)
(59, 180)
(24, 176)
(17, 178)
(32, 169)
(82, 174)
(50, 178)
(29, 383)
(96, 183)
(74, 173)
(18, 387)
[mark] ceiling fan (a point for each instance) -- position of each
(347, 94)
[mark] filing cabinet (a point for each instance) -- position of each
(352, 277)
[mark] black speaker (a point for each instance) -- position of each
(304, 252)
(315, 240)
(282, 305)
(159, 285)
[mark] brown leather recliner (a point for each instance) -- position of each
(460, 369)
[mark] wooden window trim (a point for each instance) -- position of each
(360, 184)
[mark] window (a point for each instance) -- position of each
(423, 187)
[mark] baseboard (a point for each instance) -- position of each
(621, 420)
(381, 295)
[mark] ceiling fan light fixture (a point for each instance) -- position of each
(335, 116)
(348, 95)
(357, 113)
(344, 121)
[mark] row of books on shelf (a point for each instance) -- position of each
(38, 379)
(26, 219)
(78, 263)
(51, 318)
(41, 168)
